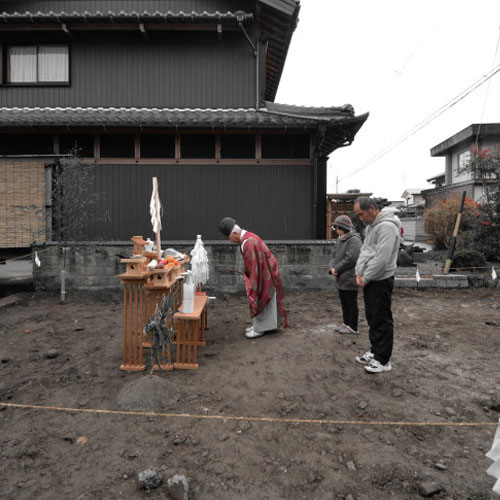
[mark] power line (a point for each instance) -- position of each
(425, 122)
(487, 92)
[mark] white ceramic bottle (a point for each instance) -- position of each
(188, 295)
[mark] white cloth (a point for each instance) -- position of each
(243, 231)
(494, 454)
(268, 318)
(154, 210)
(199, 263)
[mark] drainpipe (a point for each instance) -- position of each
(257, 59)
(257, 75)
(48, 202)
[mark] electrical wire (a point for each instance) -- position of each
(426, 121)
(487, 91)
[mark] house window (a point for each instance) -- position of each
(293, 146)
(80, 144)
(462, 161)
(198, 146)
(26, 144)
(158, 146)
(117, 146)
(38, 64)
(236, 146)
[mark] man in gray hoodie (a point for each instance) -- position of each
(375, 270)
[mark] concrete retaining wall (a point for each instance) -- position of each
(303, 265)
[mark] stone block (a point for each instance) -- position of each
(451, 281)
(299, 254)
(426, 283)
(99, 281)
(476, 280)
(294, 271)
(279, 251)
(405, 283)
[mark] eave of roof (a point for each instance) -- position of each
(466, 135)
(278, 20)
(122, 16)
(337, 127)
(436, 177)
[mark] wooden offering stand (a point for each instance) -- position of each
(143, 292)
(190, 333)
(133, 321)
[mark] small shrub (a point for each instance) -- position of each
(468, 259)
(439, 222)
(487, 230)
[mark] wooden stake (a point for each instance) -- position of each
(453, 242)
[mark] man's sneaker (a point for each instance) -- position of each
(377, 367)
(345, 329)
(341, 327)
(366, 358)
(252, 334)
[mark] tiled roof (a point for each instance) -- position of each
(109, 16)
(339, 124)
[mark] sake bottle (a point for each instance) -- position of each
(188, 295)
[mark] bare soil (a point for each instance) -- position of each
(445, 370)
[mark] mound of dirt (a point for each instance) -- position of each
(148, 393)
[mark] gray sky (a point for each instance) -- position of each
(401, 61)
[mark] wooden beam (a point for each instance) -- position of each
(137, 145)
(177, 147)
(194, 161)
(217, 147)
(258, 147)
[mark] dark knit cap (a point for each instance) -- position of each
(226, 226)
(343, 222)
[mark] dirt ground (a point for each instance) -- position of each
(445, 370)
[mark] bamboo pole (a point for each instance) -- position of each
(453, 242)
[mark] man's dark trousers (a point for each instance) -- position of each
(378, 298)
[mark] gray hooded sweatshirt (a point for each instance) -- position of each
(379, 253)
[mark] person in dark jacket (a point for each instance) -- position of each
(342, 267)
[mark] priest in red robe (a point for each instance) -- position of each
(262, 280)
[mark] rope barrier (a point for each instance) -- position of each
(220, 263)
(23, 256)
(250, 419)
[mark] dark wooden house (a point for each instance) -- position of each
(182, 90)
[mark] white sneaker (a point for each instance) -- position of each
(345, 329)
(377, 367)
(252, 334)
(365, 358)
(248, 328)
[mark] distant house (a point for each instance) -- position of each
(396, 203)
(183, 91)
(412, 196)
(457, 151)
(437, 180)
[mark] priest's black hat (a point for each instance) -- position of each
(226, 226)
